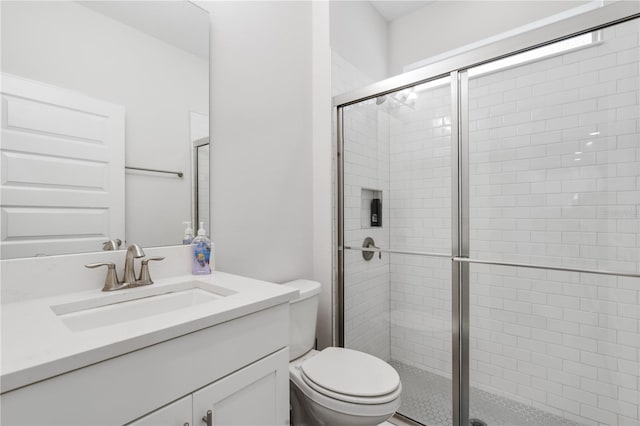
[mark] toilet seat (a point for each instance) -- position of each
(368, 400)
(336, 404)
(351, 376)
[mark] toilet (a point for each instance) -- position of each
(335, 386)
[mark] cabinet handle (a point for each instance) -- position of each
(186, 424)
(208, 419)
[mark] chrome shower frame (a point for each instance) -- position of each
(456, 68)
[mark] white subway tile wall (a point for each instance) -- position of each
(555, 180)
(555, 167)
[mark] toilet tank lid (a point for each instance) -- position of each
(307, 288)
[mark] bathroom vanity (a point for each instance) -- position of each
(185, 350)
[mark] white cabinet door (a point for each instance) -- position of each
(256, 395)
(175, 414)
(62, 170)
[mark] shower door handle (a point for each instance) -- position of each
(374, 249)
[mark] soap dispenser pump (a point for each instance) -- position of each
(188, 233)
(201, 253)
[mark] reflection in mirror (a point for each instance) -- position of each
(202, 211)
(200, 168)
(90, 92)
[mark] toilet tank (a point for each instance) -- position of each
(303, 313)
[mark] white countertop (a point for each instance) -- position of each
(37, 345)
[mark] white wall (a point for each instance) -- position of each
(261, 167)
(70, 46)
(445, 25)
(359, 35)
(323, 171)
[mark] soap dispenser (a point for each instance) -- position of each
(376, 212)
(201, 253)
(188, 233)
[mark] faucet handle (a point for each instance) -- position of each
(111, 281)
(112, 244)
(145, 277)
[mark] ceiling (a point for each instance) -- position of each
(391, 10)
(180, 23)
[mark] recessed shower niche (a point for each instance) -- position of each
(371, 211)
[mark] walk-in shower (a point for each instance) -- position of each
(505, 285)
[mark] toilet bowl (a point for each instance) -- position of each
(335, 386)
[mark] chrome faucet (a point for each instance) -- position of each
(134, 251)
(129, 280)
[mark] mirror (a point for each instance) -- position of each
(105, 128)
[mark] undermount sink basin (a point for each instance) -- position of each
(136, 303)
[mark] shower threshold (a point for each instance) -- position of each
(426, 398)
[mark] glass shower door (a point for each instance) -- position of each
(397, 298)
(555, 182)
